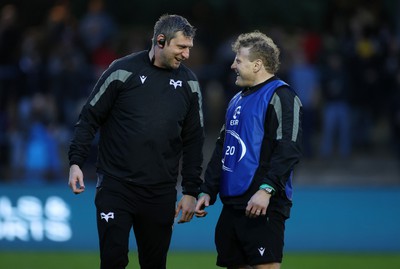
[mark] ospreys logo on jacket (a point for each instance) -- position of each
(245, 120)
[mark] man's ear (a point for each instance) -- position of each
(161, 41)
(258, 64)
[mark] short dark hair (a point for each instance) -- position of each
(169, 25)
(261, 47)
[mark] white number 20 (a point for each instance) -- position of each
(230, 150)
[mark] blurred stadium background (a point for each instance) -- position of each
(343, 58)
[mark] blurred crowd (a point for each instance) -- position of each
(347, 76)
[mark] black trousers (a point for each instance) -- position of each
(122, 206)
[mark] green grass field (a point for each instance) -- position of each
(198, 260)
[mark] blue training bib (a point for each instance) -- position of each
(245, 118)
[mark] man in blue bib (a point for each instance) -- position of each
(252, 165)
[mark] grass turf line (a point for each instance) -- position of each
(198, 260)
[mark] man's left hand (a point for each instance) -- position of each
(258, 204)
(187, 205)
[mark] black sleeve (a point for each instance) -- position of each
(283, 125)
(193, 140)
(94, 113)
(213, 172)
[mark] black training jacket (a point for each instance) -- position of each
(148, 119)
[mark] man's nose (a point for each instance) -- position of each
(186, 53)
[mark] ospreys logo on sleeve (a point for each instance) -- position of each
(175, 83)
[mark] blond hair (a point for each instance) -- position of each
(261, 47)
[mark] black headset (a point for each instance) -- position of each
(161, 42)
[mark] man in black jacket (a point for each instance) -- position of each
(148, 109)
(252, 165)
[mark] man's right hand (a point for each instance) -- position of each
(75, 181)
(202, 203)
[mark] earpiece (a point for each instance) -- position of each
(161, 42)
